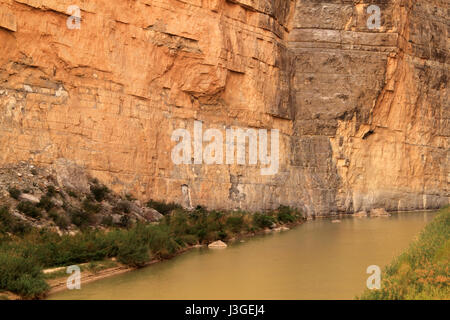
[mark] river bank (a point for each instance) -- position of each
(60, 283)
(422, 271)
(25, 258)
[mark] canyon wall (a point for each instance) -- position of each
(363, 114)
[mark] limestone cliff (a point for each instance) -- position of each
(363, 113)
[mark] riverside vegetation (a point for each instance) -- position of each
(25, 252)
(422, 271)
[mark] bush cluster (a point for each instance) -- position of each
(51, 191)
(99, 192)
(422, 271)
(263, 221)
(21, 275)
(30, 209)
(11, 224)
(81, 218)
(162, 207)
(14, 193)
(134, 246)
(60, 219)
(46, 203)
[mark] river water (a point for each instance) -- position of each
(316, 260)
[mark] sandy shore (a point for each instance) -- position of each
(60, 284)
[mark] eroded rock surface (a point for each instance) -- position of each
(363, 114)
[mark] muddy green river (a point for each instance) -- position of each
(316, 260)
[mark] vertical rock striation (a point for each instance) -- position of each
(363, 114)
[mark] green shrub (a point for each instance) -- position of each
(21, 228)
(72, 194)
(188, 239)
(263, 221)
(125, 221)
(235, 223)
(11, 224)
(222, 235)
(107, 221)
(29, 209)
(133, 251)
(81, 218)
(162, 207)
(53, 214)
(161, 242)
(201, 209)
(14, 193)
(91, 207)
(99, 192)
(60, 219)
(421, 272)
(6, 219)
(51, 191)
(179, 223)
(21, 275)
(202, 234)
(285, 214)
(46, 203)
(52, 250)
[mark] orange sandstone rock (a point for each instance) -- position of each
(363, 114)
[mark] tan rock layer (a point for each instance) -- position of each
(363, 114)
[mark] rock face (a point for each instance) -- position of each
(51, 198)
(363, 114)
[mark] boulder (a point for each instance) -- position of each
(151, 215)
(116, 218)
(360, 214)
(134, 208)
(217, 245)
(139, 217)
(71, 176)
(28, 197)
(107, 206)
(380, 212)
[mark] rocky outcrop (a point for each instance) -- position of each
(217, 245)
(363, 114)
(37, 197)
